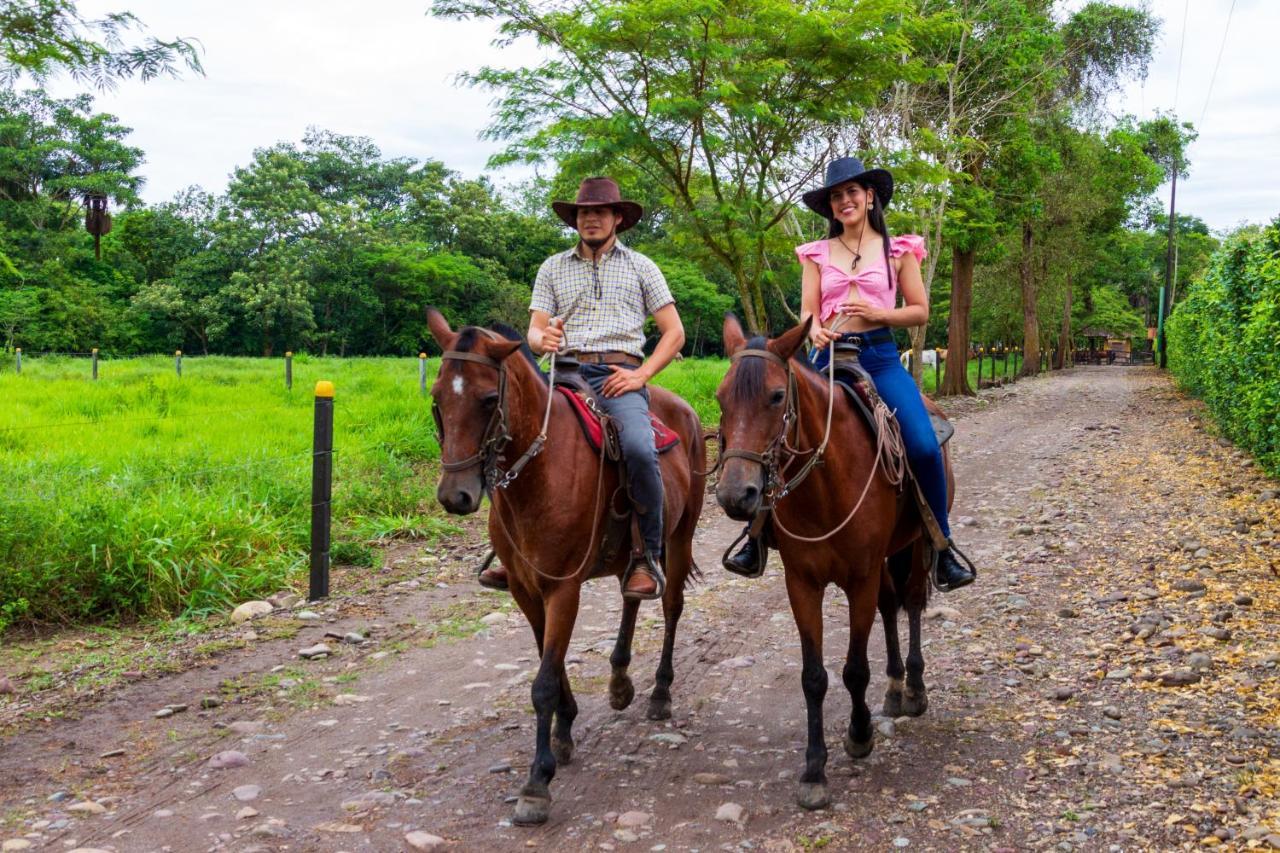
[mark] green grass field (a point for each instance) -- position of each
(147, 495)
(144, 494)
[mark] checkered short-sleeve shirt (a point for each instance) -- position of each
(605, 303)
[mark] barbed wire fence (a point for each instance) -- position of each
(122, 482)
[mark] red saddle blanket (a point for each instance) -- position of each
(663, 436)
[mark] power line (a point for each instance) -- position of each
(1186, 9)
(1221, 49)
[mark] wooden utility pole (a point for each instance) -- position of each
(1166, 292)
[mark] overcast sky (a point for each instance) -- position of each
(383, 69)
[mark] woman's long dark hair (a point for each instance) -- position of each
(875, 218)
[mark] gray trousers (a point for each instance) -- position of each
(635, 435)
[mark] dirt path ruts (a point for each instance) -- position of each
(438, 735)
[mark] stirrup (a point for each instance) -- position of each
(484, 566)
(962, 558)
(652, 569)
(726, 559)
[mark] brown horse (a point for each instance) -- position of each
(845, 523)
(546, 518)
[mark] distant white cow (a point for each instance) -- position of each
(929, 357)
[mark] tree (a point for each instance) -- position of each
(42, 37)
(730, 107)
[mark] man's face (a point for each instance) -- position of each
(597, 224)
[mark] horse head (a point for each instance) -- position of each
(469, 405)
(757, 406)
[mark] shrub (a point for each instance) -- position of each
(1224, 342)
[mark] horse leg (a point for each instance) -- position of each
(806, 606)
(621, 690)
(566, 713)
(915, 697)
(859, 740)
(890, 590)
(534, 804)
(677, 567)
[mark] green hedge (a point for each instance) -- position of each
(1224, 341)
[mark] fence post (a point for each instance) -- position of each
(18, 363)
(321, 490)
(177, 362)
(288, 371)
(422, 372)
(94, 353)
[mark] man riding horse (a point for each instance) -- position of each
(590, 303)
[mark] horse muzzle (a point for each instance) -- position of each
(739, 493)
(460, 494)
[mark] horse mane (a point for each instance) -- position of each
(469, 334)
(748, 380)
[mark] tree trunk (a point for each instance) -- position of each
(752, 303)
(1061, 361)
(916, 333)
(1030, 319)
(956, 378)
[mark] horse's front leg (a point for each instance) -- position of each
(806, 606)
(858, 741)
(534, 804)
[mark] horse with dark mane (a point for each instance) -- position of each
(549, 509)
(841, 522)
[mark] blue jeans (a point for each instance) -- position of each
(639, 453)
(899, 392)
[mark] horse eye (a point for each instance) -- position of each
(776, 398)
(489, 401)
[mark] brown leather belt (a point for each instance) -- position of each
(610, 357)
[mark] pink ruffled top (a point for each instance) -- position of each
(875, 282)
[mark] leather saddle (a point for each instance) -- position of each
(621, 523)
(857, 384)
(586, 405)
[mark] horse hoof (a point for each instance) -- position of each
(659, 709)
(562, 749)
(621, 692)
(857, 749)
(892, 704)
(531, 811)
(915, 703)
(813, 796)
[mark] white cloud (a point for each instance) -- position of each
(384, 69)
(379, 68)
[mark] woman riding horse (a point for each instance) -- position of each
(850, 287)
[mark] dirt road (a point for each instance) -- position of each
(1109, 683)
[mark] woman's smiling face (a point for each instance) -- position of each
(849, 203)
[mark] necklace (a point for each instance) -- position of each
(857, 253)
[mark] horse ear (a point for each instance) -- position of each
(734, 339)
(440, 330)
(501, 349)
(785, 345)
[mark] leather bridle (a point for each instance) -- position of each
(496, 436)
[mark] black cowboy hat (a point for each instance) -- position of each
(599, 192)
(842, 171)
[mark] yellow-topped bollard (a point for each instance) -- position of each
(94, 354)
(422, 373)
(177, 362)
(321, 490)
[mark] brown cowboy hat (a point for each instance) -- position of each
(599, 192)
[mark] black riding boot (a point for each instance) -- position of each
(750, 559)
(950, 573)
